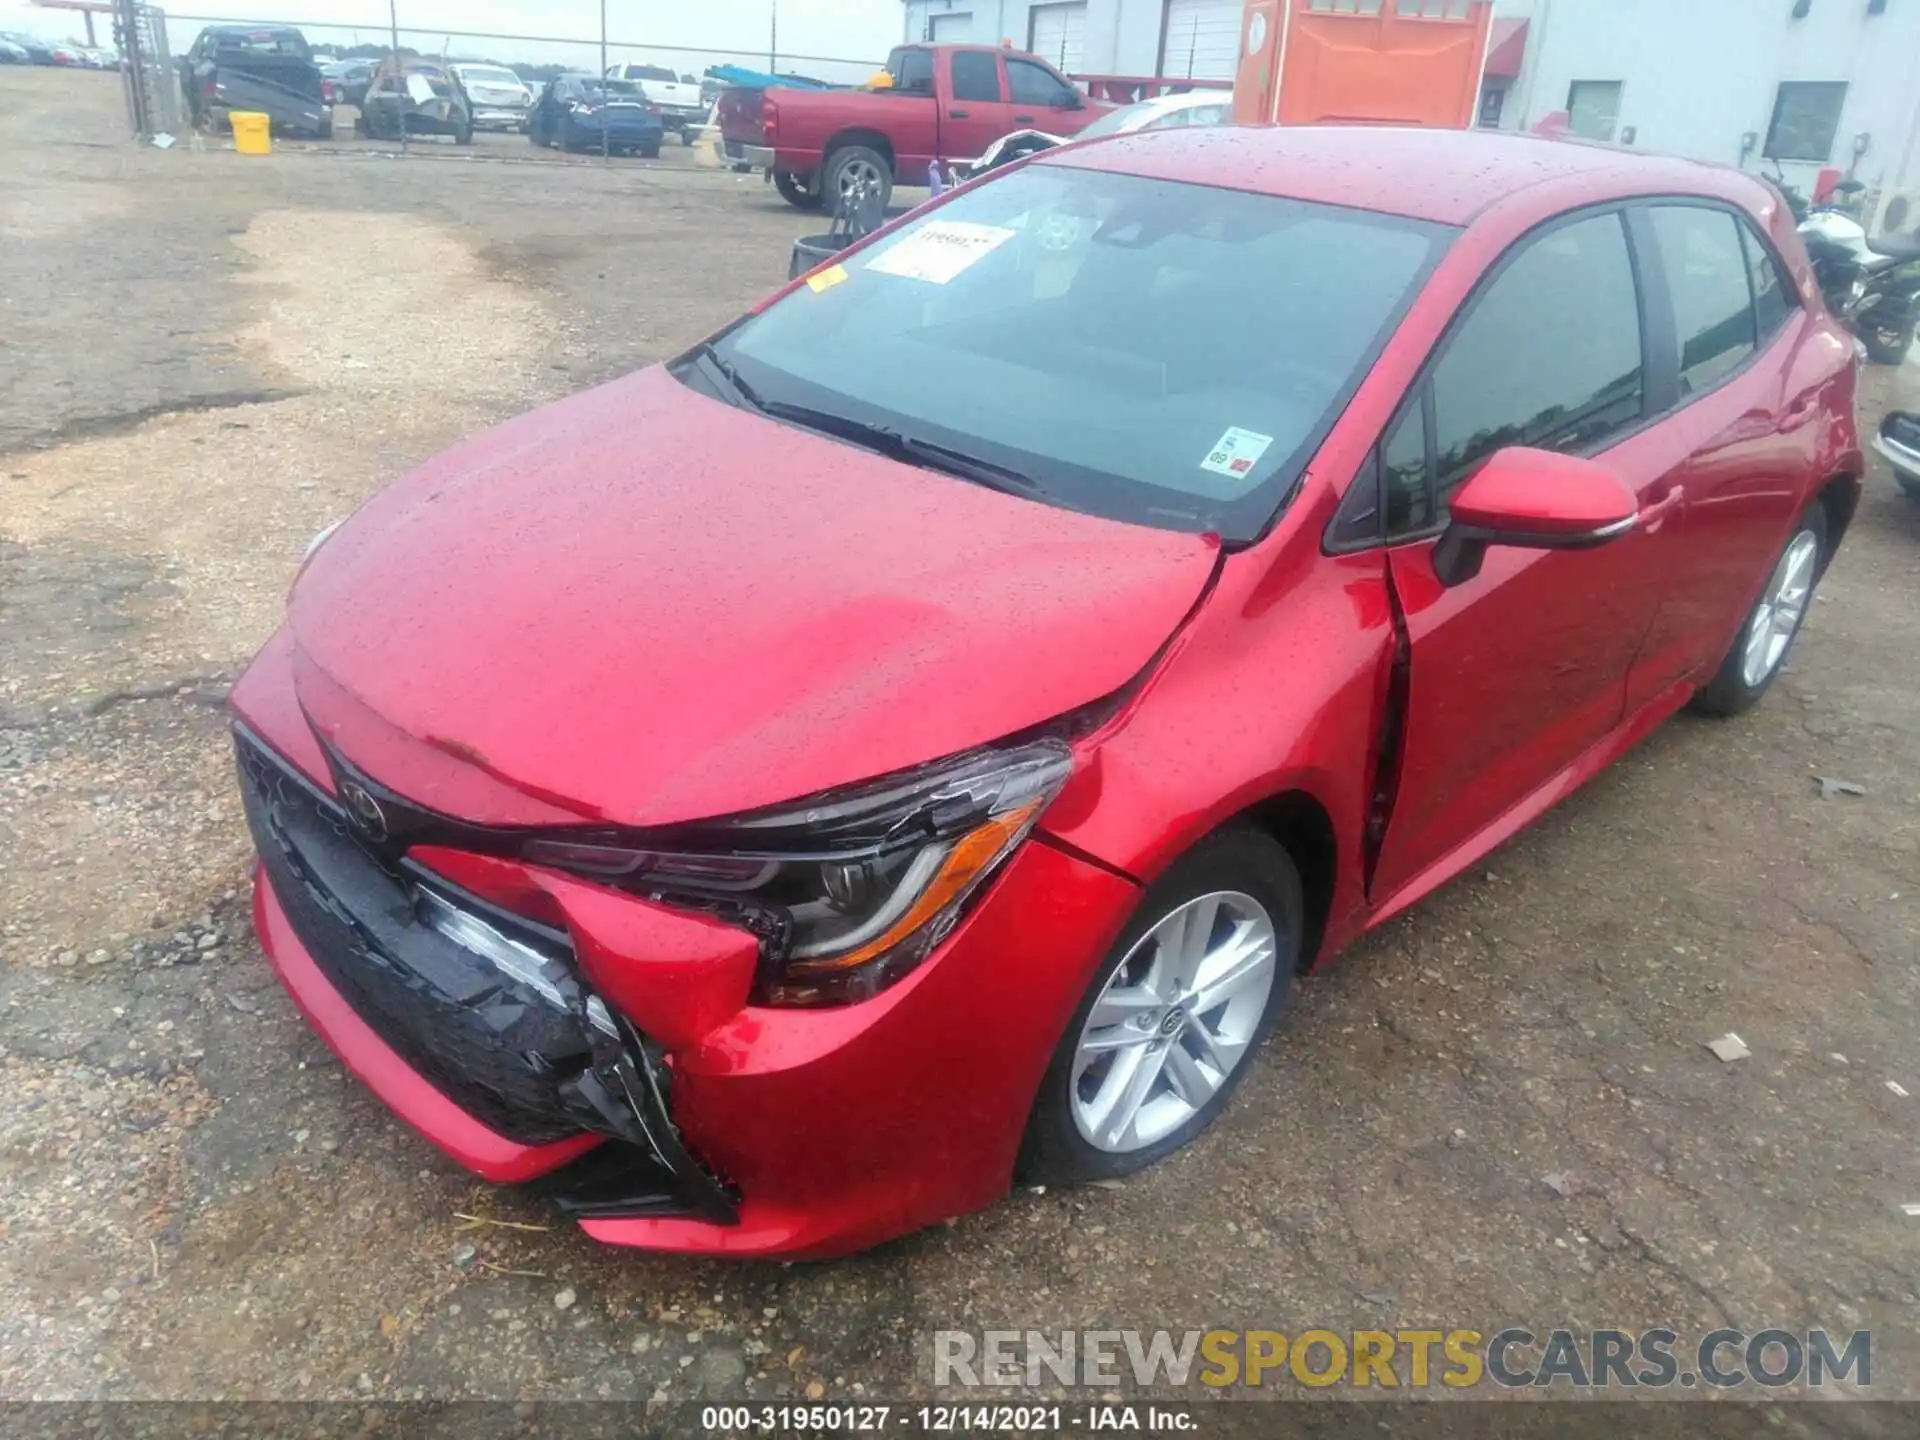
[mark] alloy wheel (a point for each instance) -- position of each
(1782, 606)
(857, 178)
(1174, 1021)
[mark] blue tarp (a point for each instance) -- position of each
(760, 80)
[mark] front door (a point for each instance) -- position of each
(1517, 671)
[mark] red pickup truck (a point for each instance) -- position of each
(946, 103)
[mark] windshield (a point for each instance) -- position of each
(1155, 351)
(489, 74)
(650, 72)
(1114, 122)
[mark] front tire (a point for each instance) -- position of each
(1760, 649)
(1172, 1018)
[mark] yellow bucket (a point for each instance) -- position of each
(250, 133)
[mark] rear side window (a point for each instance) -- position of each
(976, 75)
(1773, 302)
(1707, 278)
(1549, 355)
(913, 71)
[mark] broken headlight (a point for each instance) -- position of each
(851, 889)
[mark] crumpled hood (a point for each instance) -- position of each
(650, 606)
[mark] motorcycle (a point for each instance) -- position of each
(1873, 291)
(1899, 445)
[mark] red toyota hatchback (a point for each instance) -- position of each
(918, 736)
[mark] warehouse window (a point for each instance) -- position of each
(1806, 116)
(1593, 108)
(1346, 7)
(1433, 9)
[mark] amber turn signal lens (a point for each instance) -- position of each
(971, 855)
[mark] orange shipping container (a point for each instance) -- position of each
(1389, 62)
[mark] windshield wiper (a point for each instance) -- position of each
(740, 392)
(881, 439)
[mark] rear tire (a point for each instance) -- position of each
(325, 132)
(1245, 875)
(795, 191)
(1753, 662)
(851, 162)
(1888, 346)
(650, 152)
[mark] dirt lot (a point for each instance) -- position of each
(208, 358)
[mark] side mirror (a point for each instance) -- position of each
(1533, 500)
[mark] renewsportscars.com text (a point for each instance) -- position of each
(1515, 1357)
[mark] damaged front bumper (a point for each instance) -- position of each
(412, 979)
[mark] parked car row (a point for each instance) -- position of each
(272, 69)
(18, 48)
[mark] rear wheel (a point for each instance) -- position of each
(325, 132)
(650, 152)
(1887, 344)
(855, 168)
(1171, 1020)
(1760, 648)
(795, 191)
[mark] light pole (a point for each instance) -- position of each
(606, 148)
(773, 37)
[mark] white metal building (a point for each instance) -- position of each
(1188, 38)
(1798, 83)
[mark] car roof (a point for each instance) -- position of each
(1448, 176)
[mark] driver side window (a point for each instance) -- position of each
(1548, 354)
(1033, 84)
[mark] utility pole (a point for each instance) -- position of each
(606, 95)
(773, 37)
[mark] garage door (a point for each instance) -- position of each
(951, 26)
(1059, 33)
(1200, 39)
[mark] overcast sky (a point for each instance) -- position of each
(861, 30)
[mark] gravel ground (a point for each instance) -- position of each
(211, 357)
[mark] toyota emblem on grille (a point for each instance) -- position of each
(363, 810)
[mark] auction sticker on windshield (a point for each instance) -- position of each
(940, 250)
(1236, 452)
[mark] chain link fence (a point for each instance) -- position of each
(146, 69)
(586, 37)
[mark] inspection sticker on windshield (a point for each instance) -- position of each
(1236, 452)
(940, 250)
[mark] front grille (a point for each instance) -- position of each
(451, 1015)
(527, 1050)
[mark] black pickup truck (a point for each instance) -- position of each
(268, 68)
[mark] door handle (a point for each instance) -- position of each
(1655, 515)
(959, 114)
(1023, 119)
